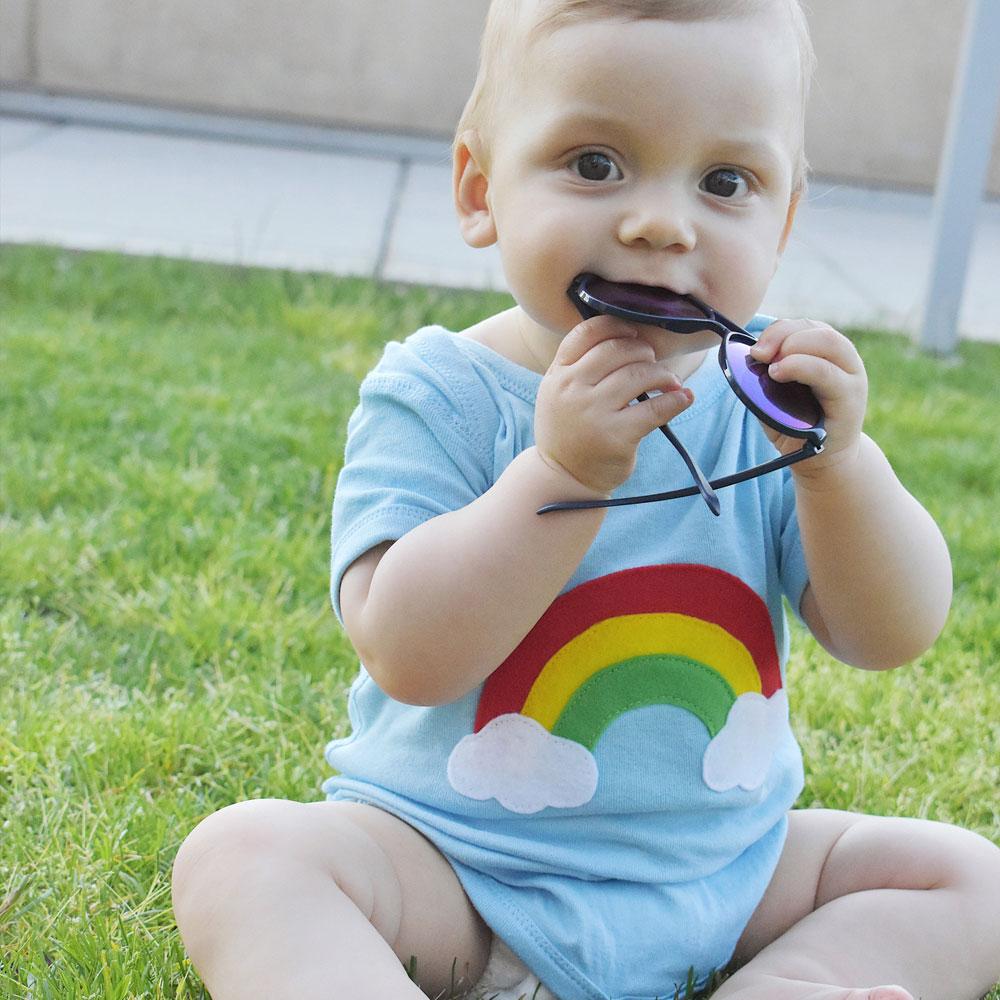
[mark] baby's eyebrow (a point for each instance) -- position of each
(758, 150)
(572, 121)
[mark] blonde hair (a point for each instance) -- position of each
(510, 24)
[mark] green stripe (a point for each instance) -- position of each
(641, 681)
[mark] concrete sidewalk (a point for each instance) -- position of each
(91, 175)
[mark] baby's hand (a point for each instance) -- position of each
(583, 421)
(807, 351)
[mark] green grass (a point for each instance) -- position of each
(171, 435)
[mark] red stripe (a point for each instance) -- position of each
(702, 592)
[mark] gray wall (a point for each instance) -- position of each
(878, 113)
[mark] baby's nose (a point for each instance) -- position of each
(658, 224)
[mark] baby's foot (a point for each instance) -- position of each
(836, 993)
(878, 993)
(774, 988)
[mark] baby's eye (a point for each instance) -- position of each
(595, 166)
(726, 183)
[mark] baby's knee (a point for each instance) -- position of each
(979, 882)
(225, 846)
(969, 861)
(972, 867)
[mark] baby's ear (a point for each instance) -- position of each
(471, 187)
(793, 207)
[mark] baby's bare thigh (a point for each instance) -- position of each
(829, 854)
(418, 901)
(408, 890)
(401, 884)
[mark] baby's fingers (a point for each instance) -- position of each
(628, 382)
(587, 335)
(827, 379)
(770, 343)
(645, 416)
(806, 336)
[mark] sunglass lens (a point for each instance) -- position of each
(790, 403)
(643, 299)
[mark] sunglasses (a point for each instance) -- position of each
(788, 407)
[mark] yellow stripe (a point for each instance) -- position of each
(626, 636)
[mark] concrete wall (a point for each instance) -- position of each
(878, 114)
(882, 89)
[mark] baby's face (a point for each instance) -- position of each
(650, 152)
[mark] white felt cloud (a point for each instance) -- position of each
(741, 752)
(518, 762)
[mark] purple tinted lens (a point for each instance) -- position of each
(790, 403)
(642, 298)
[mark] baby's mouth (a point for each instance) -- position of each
(649, 300)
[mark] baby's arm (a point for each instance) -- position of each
(879, 569)
(433, 614)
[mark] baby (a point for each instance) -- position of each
(571, 772)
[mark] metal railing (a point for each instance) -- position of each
(962, 175)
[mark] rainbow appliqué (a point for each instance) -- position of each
(691, 636)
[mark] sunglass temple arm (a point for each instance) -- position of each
(704, 487)
(782, 461)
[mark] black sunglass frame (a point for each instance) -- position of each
(589, 306)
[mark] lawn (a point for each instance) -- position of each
(171, 435)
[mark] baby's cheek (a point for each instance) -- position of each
(741, 280)
(538, 272)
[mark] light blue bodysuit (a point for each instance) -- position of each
(614, 797)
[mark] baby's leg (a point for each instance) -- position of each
(862, 901)
(282, 899)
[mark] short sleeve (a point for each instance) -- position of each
(418, 445)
